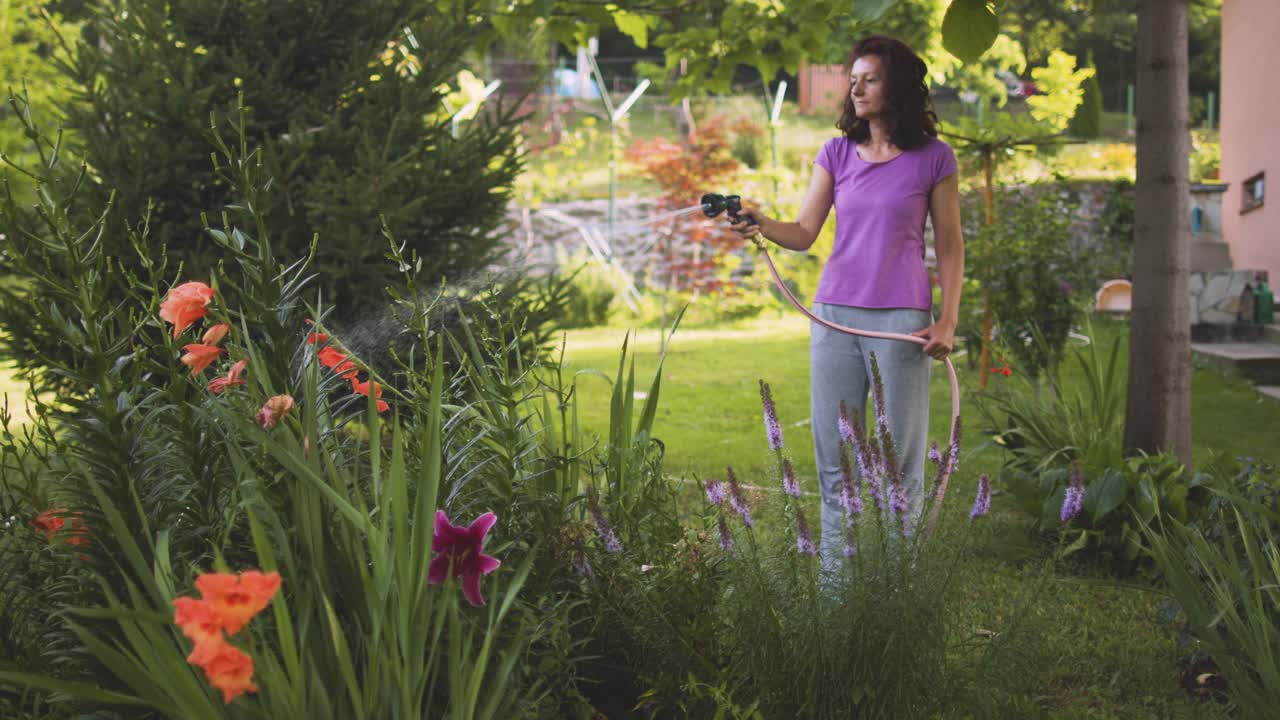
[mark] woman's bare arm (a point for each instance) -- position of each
(948, 245)
(803, 231)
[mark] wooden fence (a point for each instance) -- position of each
(822, 88)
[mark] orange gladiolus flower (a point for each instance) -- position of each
(274, 410)
(330, 357)
(362, 388)
(199, 356)
(201, 623)
(185, 304)
(214, 335)
(237, 598)
(229, 601)
(56, 521)
(79, 534)
(230, 670)
(337, 362)
(49, 522)
(222, 382)
(346, 370)
(317, 337)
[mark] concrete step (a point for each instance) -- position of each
(1270, 390)
(1257, 362)
(1227, 332)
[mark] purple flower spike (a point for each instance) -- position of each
(877, 494)
(982, 503)
(1073, 502)
(582, 565)
(607, 535)
(846, 426)
(789, 483)
(737, 500)
(850, 497)
(804, 541)
(898, 500)
(715, 491)
(851, 431)
(772, 428)
(874, 472)
(935, 455)
(953, 452)
(726, 537)
(851, 535)
(851, 529)
(877, 396)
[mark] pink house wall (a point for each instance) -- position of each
(1251, 130)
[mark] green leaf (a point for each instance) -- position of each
(868, 10)
(83, 691)
(1051, 508)
(1105, 494)
(1078, 544)
(634, 26)
(969, 28)
(1146, 500)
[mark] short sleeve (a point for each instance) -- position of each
(824, 159)
(944, 161)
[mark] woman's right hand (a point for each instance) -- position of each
(745, 228)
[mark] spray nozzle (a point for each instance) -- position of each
(713, 204)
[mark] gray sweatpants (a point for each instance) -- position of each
(840, 369)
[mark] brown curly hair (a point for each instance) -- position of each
(911, 118)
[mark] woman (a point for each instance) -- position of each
(883, 176)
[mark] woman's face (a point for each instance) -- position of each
(867, 87)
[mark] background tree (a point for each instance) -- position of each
(991, 137)
(1159, 401)
(346, 101)
(713, 40)
(1087, 122)
(1107, 30)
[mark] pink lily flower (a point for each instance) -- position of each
(460, 552)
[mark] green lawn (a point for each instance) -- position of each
(1093, 644)
(13, 394)
(709, 414)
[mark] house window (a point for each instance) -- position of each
(1254, 192)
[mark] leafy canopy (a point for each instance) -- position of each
(714, 38)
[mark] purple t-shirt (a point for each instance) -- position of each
(878, 257)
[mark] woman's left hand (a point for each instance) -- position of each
(941, 337)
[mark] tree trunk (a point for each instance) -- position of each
(988, 194)
(1159, 403)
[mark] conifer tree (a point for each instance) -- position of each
(346, 100)
(1087, 122)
